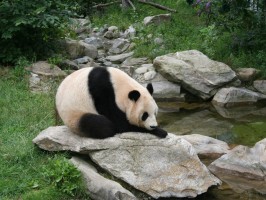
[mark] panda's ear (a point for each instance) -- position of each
(150, 88)
(134, 95)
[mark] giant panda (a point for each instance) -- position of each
(99, 102)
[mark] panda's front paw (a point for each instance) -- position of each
(159, 132)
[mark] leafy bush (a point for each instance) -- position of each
(29, 28)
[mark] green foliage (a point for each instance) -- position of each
(209, 37)
(29, 28)
(19, 69)
(63, 175)
(245, 20)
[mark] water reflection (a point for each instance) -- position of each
(240, 125)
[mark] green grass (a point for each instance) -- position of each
(184, 32)
(23, 115)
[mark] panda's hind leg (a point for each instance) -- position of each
(96, 126)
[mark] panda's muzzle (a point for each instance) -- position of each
(153, 127)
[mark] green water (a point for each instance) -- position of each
(236, 126)
(245, 125)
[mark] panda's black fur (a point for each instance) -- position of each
(110, 120)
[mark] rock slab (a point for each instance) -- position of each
(243, 161)
(195, 71)
(166, 167)
(99, 187)
(233, 96)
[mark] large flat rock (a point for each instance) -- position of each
(195, 71)
(166, 167)
(244, 162)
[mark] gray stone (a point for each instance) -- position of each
(141, 70)
(119, 58)
(157, 19)
(107, 44)
(46, 69)
(96, 41)
(149, 75)
(195, 72)
(111, 34)
(83, 60)
(159, 167)
(76, 49)
(130, 32)
(89, 50)
(73, 49)
(244, 162)
(135, 61)
(113, 28)
(233, 96)
(42, 77)
(246, 74)
(119, 46)
(98, 187)
(164, 90)
(68, 65)
(207, 146)
(260, 85)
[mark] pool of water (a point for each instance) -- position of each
(236, 126)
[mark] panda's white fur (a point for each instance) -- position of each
(74, 100)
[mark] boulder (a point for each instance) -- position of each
(246, 74)
(68, 65)
(88, 50)
(46, 69)
(233, 96)
(148, 76)
(119, 46)
(99, 187)
(157, 19)
(111, 34)
(166, 167)
(95, 41)
(72, 48)
(76, 49)
(195, 72)
(207, 146)
(119, 58)
(260, 85)
(243, 161)
(42, 74)
(165, 90)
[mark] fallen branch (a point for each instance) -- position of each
(132, 5)
(104, 4)
(127, 3)
(156, 5)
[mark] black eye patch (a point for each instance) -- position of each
(144, 116)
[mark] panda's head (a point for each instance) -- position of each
(142, 110)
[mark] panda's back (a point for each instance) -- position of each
(73, 96)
